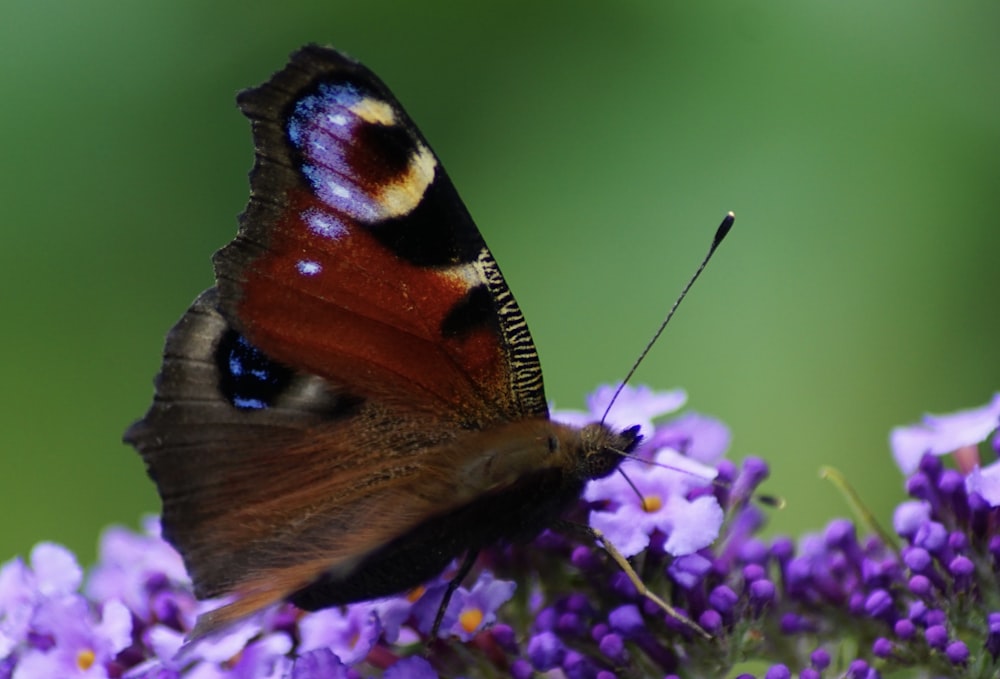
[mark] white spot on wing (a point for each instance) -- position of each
(338, 190)
(308, 268)
(324, 225)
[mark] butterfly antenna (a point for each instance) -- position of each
(720, 235)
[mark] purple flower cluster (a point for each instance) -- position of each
(133, 614)
(834, 604)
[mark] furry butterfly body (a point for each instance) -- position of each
(358, 401)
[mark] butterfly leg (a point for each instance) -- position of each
(616, 556)
(463, 570)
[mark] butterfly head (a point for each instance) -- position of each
(603, 449)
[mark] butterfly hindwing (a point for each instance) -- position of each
(357, 261)
(273, 480)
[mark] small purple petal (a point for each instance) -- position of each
(820, 658)
(545, 651)
(695, 525)
(351, 634)
(878, 603)
(882, 648)
(626, 619)
(710, 621)
(521, 669)
(942, 434)
(754, 572)
(778, 672)
(688, 571)
(961, 567)
(935, 616)
(957, 652)
(761, 593)
(411, 667)
(858, 669)
(699, 437)
(613, 647)
(782, 548)
(904, 629)
(993, 638)
(932, 536)
(920, 585)
(917, 559)
(985, 482)
(937, 637)
(752, 473)
(723, 599)
(320, 663)
(56, 569)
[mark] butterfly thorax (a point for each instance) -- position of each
(499, 457)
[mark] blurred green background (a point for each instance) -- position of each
(597, 146)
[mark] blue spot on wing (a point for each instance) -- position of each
(249, 403)
(248, 378)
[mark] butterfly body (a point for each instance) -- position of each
(358, 401)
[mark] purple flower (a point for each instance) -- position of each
(131, 567)
(664, 506)
(53, 573)
(76, 644)
(350, 634)
(943, 434)
(473, 609)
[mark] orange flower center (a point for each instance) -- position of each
(470, 619)
(85, 658)
(651, 503)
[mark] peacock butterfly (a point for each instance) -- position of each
(358, 401)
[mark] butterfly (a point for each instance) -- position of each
(357, 402)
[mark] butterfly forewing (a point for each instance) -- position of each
(357, 261)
